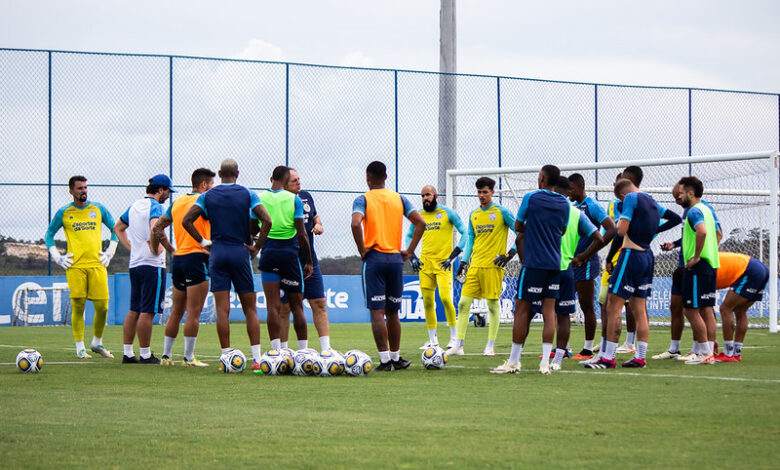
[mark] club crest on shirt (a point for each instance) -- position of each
(92, 214)
(492, 216)
(306, 207)
(439, 215)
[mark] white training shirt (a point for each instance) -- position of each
(137, 218)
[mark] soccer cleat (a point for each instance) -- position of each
(738, 357)
(601, 364)
(592, 360)
(489, 351)
(687, 357)
(455, 351)
(401, 363)
(667, 355)
(596, 347)
(100, 349)
(166, 361)
(583, 355)
(552, 355)
(452, 343)
(507, 368)
(429, 345)
(82, 354)
(385, 367)
(702, 359)
(129, 360)
(634, 363)
(555, 366)
(194, 363)
(626, 348)
(544, 368)
(149, 360)
(255, 367)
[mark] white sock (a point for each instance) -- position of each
(710, 347)
(432, 336)
(395, 355)
(128, 350)
(737, 348)
(256, 352)
(453, 332)
(588, 345)
(384, 356)
(277, 344)
(546, 350)
(146, 353)
(284, 345)
(325, 343)
(609, 351)
(728, 347)
(695, 347)
(559, 353)
(224, 350)
(189, 347)
(641, 350)
(80, 346)
(96, 341)
(674, 346)
(168, 346)
(460, 342)
(514, 355)
(630, 337)
(303, 343)
(490, 343)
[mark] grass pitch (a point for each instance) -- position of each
(102, 414)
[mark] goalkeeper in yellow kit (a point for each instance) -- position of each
(435, 261)
(84, 263)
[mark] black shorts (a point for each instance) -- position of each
(147, 289)
(677, 279)
(189, 270)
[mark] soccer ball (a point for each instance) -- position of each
(288, 355)
(434, 358)
(357, 363)
(303, 360)
(232, 361)
(326, 365)
(29, 361)
(339, 359)
(274, 363)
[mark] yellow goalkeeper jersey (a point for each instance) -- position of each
(488, 229)
(83, 232)
(440, 224)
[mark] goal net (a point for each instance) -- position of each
(39, 306)
(742, 189)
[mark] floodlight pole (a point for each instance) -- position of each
(447, 96)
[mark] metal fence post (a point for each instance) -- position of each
(287, 114)
(49, 221)
(395, 85)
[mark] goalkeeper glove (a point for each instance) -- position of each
(415, 262)
(64, 261)
(447, 264)
(461, 274)
(105, 256)
(502, 260)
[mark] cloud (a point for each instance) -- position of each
(257, 49)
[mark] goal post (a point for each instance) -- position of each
(743, 186)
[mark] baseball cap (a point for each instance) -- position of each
(162, 180)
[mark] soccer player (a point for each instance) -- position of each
(84, 262)
(746, 279)
(279, 263)
(147, 267)
(586, 273)
(676, 301)
(632, 279)
(488, 227)
(578, 229)
(313, 287)
(377, 227)
(540, 225)
(189, 269)
(435, 261)
(700, 252)
(228, 207)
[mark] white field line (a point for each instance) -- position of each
(54, 363)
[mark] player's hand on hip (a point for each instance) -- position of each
(667, 246)
(308, 270)
(577, 261)
(253, 250)
(692, 262)
(415, 262)
(66, 261)
(108, 254)
(317, 229)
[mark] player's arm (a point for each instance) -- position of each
(600, 215)
(188, 224)
(54, 226)
(522, 214)
(358, 214)
(502, 260)
(456, 222)
(419, 227)
(120, 229)
(158, 232)
(671, 218)
(303, 238)
(587, 229)
(108, 221)
(154, 244)
(414, 261)
(259, 212)
(317, 229)
(669, 246)
(629, 204)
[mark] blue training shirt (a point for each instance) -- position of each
(596, 215)
(309, 211)
(545, 215)
(644, 214)
(228, 207)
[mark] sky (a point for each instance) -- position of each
(707, 44)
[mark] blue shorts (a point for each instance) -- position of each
(677, 278)
(698, 289)
(313, 287)
(537, 284)
(383, 280)
(752, 283)
(230, 264)
(633, 274)
(588, 271)
(189, 270)
(565, 304)
(281, 264)
(147, 289)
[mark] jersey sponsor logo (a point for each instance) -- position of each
(377, 298)
(629, 288)
(554, 287)
(92, 214)
(395, 300)
(80, 226)
(566, 303)
(433, 226)
(485, 228)
(645, 286)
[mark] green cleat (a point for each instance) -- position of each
(166, 361)
(82, 354)
(100, 349)
(193, 363)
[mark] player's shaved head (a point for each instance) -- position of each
(429, 197)
(429, 189)
(228, 168)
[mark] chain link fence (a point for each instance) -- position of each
(118, 119)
